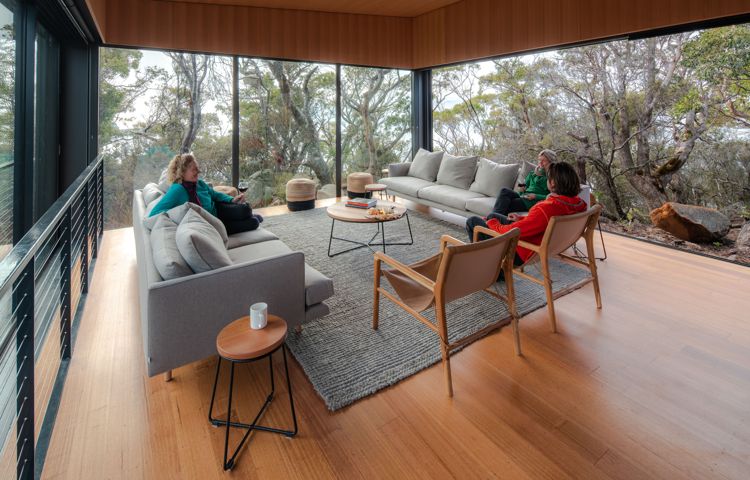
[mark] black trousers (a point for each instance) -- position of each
(508, 201)
(473, 222)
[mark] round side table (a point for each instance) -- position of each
(377, 187)
(238, 343)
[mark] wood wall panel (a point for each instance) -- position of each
(98, 9)
(262, 32)
(458, 34)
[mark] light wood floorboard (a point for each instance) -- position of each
(654, 385)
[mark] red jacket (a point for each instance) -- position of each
(535, 223)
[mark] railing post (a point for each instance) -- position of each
(85, 242)
(65, 272)
(23, 305)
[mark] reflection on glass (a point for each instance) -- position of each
(7, 118)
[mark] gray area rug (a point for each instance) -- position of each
(344, 358)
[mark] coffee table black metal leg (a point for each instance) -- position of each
(382, 234)
(291, 398)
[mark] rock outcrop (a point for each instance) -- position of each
(690, 222)
(743, 238)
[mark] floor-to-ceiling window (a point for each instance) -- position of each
(287, 126)
(375, 119)
(7, 119)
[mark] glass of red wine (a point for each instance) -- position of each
(242, 186)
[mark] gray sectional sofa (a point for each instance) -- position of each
(181, 316)
(462, 185)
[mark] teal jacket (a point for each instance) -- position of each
(536, 184)
(177, 195)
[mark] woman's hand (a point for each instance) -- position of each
(530, 196)
(514, 217)
(239, 198)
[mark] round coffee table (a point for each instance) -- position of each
(339, 211)
(238, 343)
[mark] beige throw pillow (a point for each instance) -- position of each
(492, 177)
(457, 171)
(425, 165)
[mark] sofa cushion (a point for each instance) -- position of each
(405, 185)
(148, 221)
(167, 259)
(457, 171)
(448, 195)
(248, 238)
(425, 165)
(318, 287)
(256, 251)
(492, 177)
(163, 184)
(200, 244)
(178, 213)
(481, 206)
(150, 193)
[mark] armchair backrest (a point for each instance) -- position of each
(565, 230)
(472, 267)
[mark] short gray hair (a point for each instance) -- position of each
(549, 154)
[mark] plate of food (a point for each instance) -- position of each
(382, 213)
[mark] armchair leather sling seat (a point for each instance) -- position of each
(456, 271)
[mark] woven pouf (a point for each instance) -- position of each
(355, 184)
(300, 194)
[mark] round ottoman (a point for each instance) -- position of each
(300, 194)
(355, 184)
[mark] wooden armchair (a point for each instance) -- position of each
(562, 233)
(458, 270)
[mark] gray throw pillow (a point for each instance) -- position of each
(492, 177)
(150, 193)
(200, 244)
(163, 183)
(457, 171)
(167, 259)
(149, 222)
(178, 213)
(425, 165)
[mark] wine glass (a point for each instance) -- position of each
(242, 186)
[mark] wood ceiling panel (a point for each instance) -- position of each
(392, 8)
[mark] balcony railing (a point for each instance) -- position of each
(43, 284)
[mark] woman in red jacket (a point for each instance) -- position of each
(564, 185)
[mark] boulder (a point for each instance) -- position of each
(327, 191)
(743, 238)
(690, 222)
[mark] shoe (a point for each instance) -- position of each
(259, 217)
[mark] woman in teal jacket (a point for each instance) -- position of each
(532, 191)
(183, 173)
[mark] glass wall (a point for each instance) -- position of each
(642, 121)
(153, 105)
(287, 126)
(7, 119)
(375, 119)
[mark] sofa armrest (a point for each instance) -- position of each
(399, 169)
(186, 314)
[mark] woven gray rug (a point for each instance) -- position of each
(344, 358)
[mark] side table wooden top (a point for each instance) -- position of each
(237, 341)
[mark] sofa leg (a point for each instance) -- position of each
(168, 376)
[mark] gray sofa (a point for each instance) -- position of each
(181, 317)
(462, 185)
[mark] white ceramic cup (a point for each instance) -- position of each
(258, 315)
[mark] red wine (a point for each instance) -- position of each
(242, 189)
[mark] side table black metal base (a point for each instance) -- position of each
(228, 464)
(369, 244)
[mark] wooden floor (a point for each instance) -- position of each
(655, 385)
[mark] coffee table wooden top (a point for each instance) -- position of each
(339, 211)
(237, 341)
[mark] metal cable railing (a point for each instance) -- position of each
(43, 282)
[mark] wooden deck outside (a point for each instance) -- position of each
(655, 385)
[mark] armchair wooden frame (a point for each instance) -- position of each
(441, 289)
(557, 238)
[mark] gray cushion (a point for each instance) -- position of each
(200, 244)
(448, 195)
(457, 171)
(178, 213)
(425, 165)
(524, 168)
(256, 251)
(163, 183)
(318, 287)
(481, 206)
(492, 177)
(167, 259)
(407, 185)
(249, 238)
(399, 169)
(149, 222)
(151, 192)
